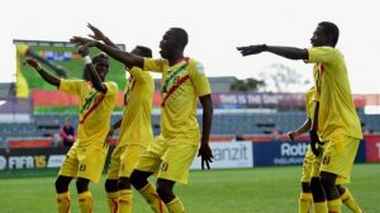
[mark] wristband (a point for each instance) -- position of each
(87, 60)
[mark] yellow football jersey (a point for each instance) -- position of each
(95, 110)
(182, 84)
(337, 114)
(136, 126)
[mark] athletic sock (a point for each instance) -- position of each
(63, 202)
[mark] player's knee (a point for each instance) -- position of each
(165, 190)
(139, 179)
(317, 190)
(111, 185)
(62, 184)
(82, 185)
(124, 183)
(165, 193)
(328, 182)
(341, 189)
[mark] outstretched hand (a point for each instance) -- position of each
(98, 35)
(78, 40)
(205, 153)
(252, 50)
(292, 135)
(33, 63)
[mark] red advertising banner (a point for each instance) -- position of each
(372, 148)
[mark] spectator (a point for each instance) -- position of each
(67, 134)
(276, 134)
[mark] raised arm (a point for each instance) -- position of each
(50, 78)
(100, 36)
(94, 77)
(287, 52)
(205, 150)
(126, 58)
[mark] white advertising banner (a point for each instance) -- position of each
(229, 155)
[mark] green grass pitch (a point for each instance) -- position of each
(216, 191)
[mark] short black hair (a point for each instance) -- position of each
(331, 30)
(99, 57)
(181, 36)
(145, 51)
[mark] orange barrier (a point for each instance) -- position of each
(30, 143)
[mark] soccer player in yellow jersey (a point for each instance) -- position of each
(171, 155)
(135, 130)
(311, 163)
(335, 118)
(85, 159)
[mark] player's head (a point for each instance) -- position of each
(173, 42)
(101, 64)
(142, 51)
(326, 34)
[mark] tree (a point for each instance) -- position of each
(283, 78)
(249, 84)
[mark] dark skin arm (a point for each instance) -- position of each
(205, 151)
(302, 129)
(94, 77)
(286, 52)
(314, 139)
(128, 59)
(51, 79)
(100, 36)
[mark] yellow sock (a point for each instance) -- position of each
(113, 202)
(334, 206)
(304, 202)
(150, 195)
(176, 206)
(85, 202)
(125, 201)
(321, 207)
(63, 202)
(349, 201)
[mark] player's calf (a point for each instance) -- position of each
(348, 200)
(113, 195)
(306, 199)
(328, 181)
(139, 180)
(165, 190)
(319, 195)
(63, 196)
(84, 196)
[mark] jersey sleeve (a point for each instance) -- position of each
(322, 55)
(200, 80)
(155, 65)
(72, 87)
(112, 88)
(137, 73)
